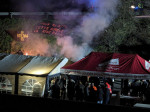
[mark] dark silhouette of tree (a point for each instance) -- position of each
(126, 34)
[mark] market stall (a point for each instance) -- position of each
(110, 65)
(28, 75)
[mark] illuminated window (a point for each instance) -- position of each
(31, 88)
(5, 85)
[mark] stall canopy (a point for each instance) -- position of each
(113, 65)
(31, 65)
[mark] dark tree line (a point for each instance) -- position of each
(127, 33)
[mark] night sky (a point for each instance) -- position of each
(38, 5)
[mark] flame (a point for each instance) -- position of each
(26, 54)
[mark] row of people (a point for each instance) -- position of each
(71, 90)
(135, 87)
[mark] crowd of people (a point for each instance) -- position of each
(137, 88)
(67, 88)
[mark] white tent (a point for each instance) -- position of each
(23, 72)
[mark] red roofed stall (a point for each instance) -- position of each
(110, 65)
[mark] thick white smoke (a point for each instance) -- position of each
(71, 50)
(75, 45)
(90, 25)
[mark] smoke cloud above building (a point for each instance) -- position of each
(89, 25)
(84, 27)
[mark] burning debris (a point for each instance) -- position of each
(50, 28)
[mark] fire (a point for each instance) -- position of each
(26, 53)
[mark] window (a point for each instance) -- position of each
(30, 88)
(5, 85)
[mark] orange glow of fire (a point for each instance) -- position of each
(26, 54)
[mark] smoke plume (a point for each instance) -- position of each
(90, 25)
(71, 50)
(82, 28)
(36, 45)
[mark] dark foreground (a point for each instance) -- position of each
(15, 103)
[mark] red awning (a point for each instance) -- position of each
(114, 65)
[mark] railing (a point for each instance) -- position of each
(40, 13)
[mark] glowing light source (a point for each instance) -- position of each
(22, 36)
(39, 72)
(26, 53)
(139, 7)
(132, 7)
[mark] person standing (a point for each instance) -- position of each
(63, 88)
(55, 90)
(144, 85)
(100, 94)
(147, 95)
(70, 89)
(126, 88)
(86, 91)
(136, 84)
(107, 93)
(93, 93)
(79, 91)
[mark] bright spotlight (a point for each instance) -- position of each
(132, 7)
